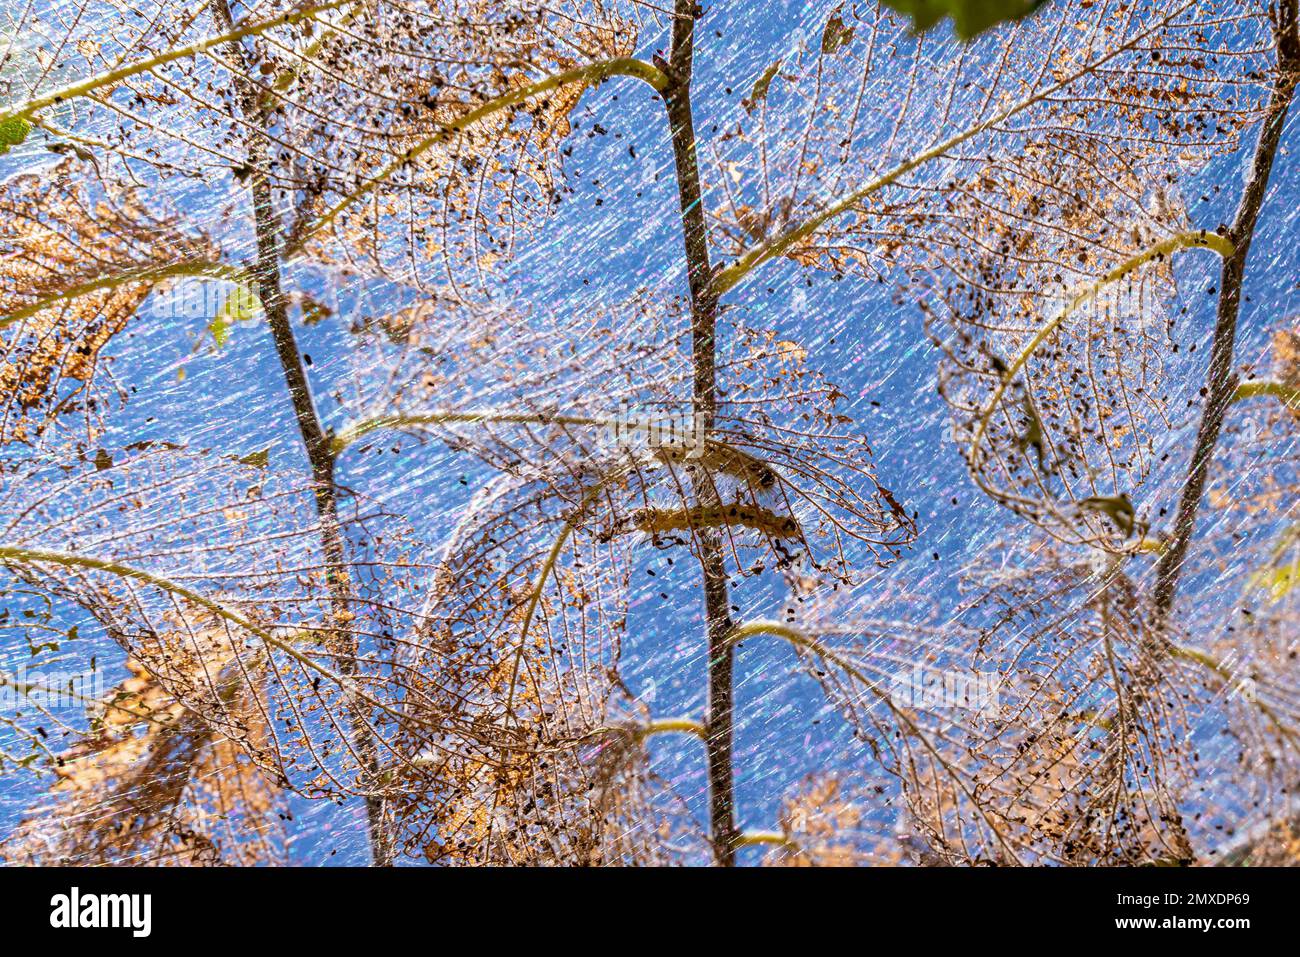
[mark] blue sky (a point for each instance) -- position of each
(872, 348)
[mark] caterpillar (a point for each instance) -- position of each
(720, 457)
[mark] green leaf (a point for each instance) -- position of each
(241, 305)
(1280, 576)
(220, 329)
(13, 131)
(836, 36)
(761, 86)
(1277, 581)
(970, 18)
(258, 460)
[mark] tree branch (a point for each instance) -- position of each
(1288, 395)
(267, 274)
(704, 309)
(234, 33)
(1221, 380)
(148, 274)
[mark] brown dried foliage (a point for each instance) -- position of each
(62, 231)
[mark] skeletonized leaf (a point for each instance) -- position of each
(78, 261)
(1043, 725)
(154, 783)
(106, 541)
